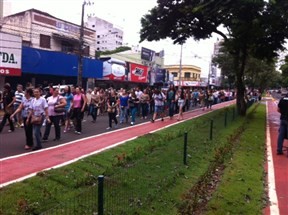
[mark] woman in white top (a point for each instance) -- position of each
(159, 99)
(180, 98)
(54, 101)
(38, 108)
(24, 109)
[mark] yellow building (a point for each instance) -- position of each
(190, 74)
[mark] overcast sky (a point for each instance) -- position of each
(125, 14)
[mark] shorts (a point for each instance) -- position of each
(181, 102)
(159, 109)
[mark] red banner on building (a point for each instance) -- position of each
(138, 73)
(10, 71)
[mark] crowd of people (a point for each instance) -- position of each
(35, 107)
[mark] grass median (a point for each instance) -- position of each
(144, 176)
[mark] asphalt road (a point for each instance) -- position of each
(12, 144)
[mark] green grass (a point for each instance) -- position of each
(241, 190)
(143, 176)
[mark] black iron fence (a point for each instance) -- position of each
(127, 190)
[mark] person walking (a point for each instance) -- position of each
(95, 104)
(133, 105)
(89, 105)
(210, 99)
(180, 98)
(171, 93)
(283, 129)
(144, 102)
(69, 98)
(159, 99)
(55, 102)
(78, 105)
(24, 110)
(111, 109)
(124, 106)
(16, 103)
(7, 100)
(37, 111)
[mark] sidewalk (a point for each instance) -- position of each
(276, 166)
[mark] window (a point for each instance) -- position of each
(175, 74)
(93, 26)
(66, 46)
(98, 42)
(45, 41)
(98, 49)
(98, 36)
(187, 75)
(26, 43)
(86, 51)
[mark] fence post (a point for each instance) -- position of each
(225, 120)
(100, 194)
(211, 129)
(185, 148)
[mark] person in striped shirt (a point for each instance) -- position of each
(16, 103)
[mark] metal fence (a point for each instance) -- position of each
(107, 195)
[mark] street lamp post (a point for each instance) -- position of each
(180, 66)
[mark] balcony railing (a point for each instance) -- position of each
(189, 79)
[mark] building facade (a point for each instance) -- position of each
(189, 76)
(188, 72)
(44, 31)
(108, 37)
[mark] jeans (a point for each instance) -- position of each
(28, 132)
(37, 134)
(55, 120)
(15, 106)
(144, 107)
(133, 113)
(123, 114)
(283, 129)
(93, 111)
(209, 104)
(78, 115)
(5, 118)
(171, 108)
(112, 116)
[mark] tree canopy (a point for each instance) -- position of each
(117, 50)
(255, 28)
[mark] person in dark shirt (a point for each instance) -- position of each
(283, 129)
(8, 98)
(111, 104)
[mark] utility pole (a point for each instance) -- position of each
(81, 44)
(1, 12)
(209, 76)
(180, 66)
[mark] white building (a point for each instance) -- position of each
(44, 31)
(108, 37)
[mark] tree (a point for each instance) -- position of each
(259, 74)
(254, 28)
(117, 50)
(284, 75)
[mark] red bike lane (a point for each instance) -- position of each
(276, 166)
(18, 168)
